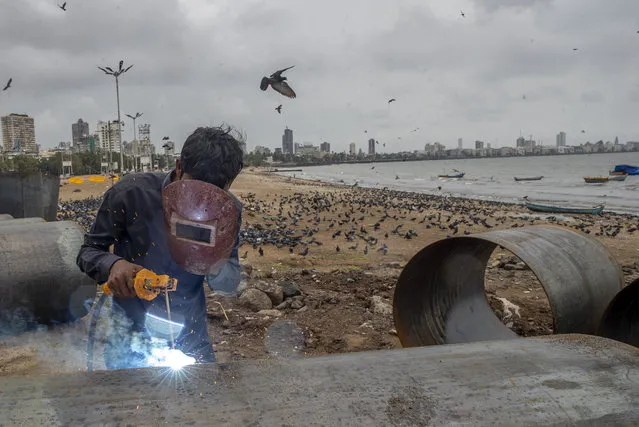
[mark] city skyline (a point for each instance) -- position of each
(503, 68)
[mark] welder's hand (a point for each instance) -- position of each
(121, 278)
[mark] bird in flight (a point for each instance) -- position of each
(575, 49)
(8, 85)
(166, 138)
(278, 83)
(279, 109)
(463, 15)
(64, 6)
(391, 100)
(583, 131)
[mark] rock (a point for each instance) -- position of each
(284, 305)
(509, 267)
(246, 268)
(305, 272)
(297, 304)
(290, 289)
(273, 291)
(496, 264)
(274, 313)
(509, 273)
(350, 280)
(303, 309)
(380, 306)
(521, 266)
(242, 286)
(255, 300)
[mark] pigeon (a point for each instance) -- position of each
(261, 251)
(279, 109)
(583, 131)
(245, 255)
(64, 6)
(166, 138)
(463, 15)
(337, 249)
(305, 251)
(575, 49)
(278, 83)
(391, 100)
(8, 85)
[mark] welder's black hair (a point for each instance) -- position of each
(213, 155)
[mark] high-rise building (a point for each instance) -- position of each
(79, 131)
(371, 146)
(460, 143)
(146, 148)
(287, 142)
(18, 133)
(325, 147)
(109, 136)
(479, 145)
(561, 139)
(351, 149)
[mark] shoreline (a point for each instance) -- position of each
(456, 197)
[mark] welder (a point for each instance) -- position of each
(183, 224)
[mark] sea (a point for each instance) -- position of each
(493, 179)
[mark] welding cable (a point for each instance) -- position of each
(97, 308)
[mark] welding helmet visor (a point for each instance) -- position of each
(201, 224)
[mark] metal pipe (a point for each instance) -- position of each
(40, 281)
(440, 299)
(621, 319)
(554, 380)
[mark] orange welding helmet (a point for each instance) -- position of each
(201, 223)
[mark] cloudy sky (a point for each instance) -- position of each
(507, 67)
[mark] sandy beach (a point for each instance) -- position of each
(332, 265)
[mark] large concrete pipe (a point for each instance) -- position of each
(40, 282)
(554, 380)
(29, 195)
(440, 299)
(20, 221)
(621, 319)
(4, 217)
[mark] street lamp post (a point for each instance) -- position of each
(135, 138)
(109, 71)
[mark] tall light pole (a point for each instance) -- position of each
(109, 71)
(135, 138)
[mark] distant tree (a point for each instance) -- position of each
(26, 164)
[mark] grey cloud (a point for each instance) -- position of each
(200, 62)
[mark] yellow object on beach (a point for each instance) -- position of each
(76, 180)
(96, 178)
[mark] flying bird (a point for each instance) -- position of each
(391, 100)
(583, 131)
(64, 6)
(165, 138)
(575, 49)
(279, 109)
(278, 83)
(462, 14)
(8, 85)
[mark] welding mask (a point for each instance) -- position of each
(201, 224)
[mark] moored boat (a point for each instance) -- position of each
(529, 178)
(596, 179)
(617, 177)
(535, 207)
(630, 170)
(458, 174)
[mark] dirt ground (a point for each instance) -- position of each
(336, 258)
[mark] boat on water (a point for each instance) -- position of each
(630, 170)
(597, 210)
(457, 174)
(596, 179)
(529, 178)
(618, 177)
